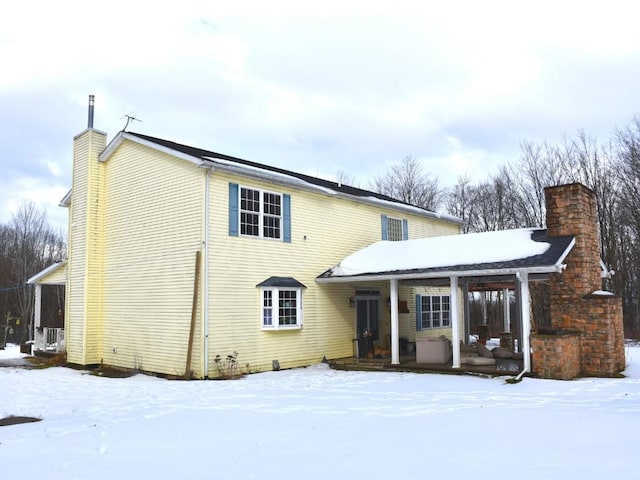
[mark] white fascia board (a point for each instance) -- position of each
(45, 272)
(442, 274)
(90, 129)
(122, 136)
(66, 200)
(378, 202)
(263, 174)
(284, 179)
(566, 252)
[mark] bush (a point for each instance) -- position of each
(228, 367)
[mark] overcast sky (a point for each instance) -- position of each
(317, 87)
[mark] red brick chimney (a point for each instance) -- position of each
(576, 302)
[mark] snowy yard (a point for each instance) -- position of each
(317, 423)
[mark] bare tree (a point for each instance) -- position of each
(461, 202)
(628, 222)
(343, 178)
(30, 246)
(406, 181)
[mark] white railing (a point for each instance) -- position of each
(49, 340)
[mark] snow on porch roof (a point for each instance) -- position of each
(503, 252)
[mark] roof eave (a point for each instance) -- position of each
(66, 200)
(299, 183)
(43, 273)
(122, 136)
(557, 268)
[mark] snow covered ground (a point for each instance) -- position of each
(317, 423)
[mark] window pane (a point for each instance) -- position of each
(267, 310)
(435, 323)
(249, 224)
(249, 212)
(272, 212)
(426, 304)
(271, 204)
(271, 227)
(394, 229)
(435, 301)
(287, 309)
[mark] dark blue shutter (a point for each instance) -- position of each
(405, 229)
(286, 218)
(233, 209)
(418, 313)
(383, 220)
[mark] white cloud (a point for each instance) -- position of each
(322, 87)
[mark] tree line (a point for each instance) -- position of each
(513, 197)
(27, 246)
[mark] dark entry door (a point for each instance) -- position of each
(368, 317)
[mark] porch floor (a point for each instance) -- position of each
(408, 364)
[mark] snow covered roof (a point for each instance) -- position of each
(496, 253)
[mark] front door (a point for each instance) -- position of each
(367, 322)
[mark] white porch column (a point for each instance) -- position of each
(395, 346)
(38, 306)
(505, 310)
(523, 283)
(455, 328)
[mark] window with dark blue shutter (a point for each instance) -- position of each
(233, 209)
(259, 213)
(286, 218)
(418, 313)
(383, 221)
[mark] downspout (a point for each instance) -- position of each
(455, 323)
(395, 350)
(205, 283)
(523, 286)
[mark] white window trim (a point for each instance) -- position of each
(261, 213)
(275, 316)
(389, 229)
(441, 311)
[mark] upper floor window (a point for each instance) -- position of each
(394, 229)
(258, 213)
(433, 311)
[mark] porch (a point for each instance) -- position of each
(408, 363)
(47, 339)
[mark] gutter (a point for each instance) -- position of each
(284, 179)
(443, 274)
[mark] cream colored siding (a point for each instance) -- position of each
(57, 277)
(82, 233)
(152, 233)
(324, 229)
(136, 223)
(436, 332)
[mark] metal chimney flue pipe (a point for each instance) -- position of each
(91, 107)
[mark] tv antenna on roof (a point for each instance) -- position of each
(131, 117)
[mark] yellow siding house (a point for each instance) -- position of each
(179, 256)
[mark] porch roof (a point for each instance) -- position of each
(506, 252)
(54, 274)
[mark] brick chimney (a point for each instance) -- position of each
(594, 319)
(572, 210)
